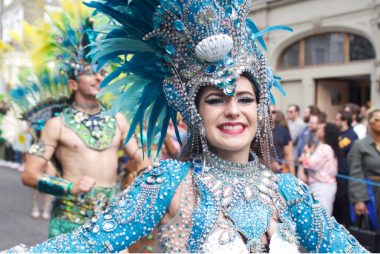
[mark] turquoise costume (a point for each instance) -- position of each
(168, 50)
(140, 208)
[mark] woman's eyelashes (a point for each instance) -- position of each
(246, 99)
(214, 100)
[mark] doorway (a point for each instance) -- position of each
(333, 93)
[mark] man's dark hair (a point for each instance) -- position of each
(296, 107)
(346, 116)
(354, 109)
(314, 110)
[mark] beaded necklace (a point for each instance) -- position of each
(246, 195)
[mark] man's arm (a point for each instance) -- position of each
(37, 163)
(288, 157)
(132, 149)
(40, 153)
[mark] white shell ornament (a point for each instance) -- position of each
(214, 48)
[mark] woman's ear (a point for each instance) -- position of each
(73, 84)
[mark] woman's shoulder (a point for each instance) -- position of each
(165, 171)
(325, 149)
(291, 188)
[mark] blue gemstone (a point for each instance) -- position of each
(156, 172)
(219, 84)
(197, 170)
(179, 25)
(197, 161)
(210, 69)
(237, 23)
(170, 49)
(165, 5)
(229, 90)
(231, 81)
(229, 11)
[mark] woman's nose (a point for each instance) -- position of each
(232, 108)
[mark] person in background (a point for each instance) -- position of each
(295, 123)
(359, 128)
(310, 110)
(364, 162)
(362, 117)
(283, 146)
(321, 163)
(308, 136)
(347, 137)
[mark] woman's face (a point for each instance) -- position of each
(230, 122)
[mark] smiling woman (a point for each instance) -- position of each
(230, 121)
(202, 58)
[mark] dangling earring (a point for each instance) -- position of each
(202, 131)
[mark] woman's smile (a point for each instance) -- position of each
(232, 128)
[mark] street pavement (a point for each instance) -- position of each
(16, 224)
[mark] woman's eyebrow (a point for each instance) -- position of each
(244, 93)
(219, 94)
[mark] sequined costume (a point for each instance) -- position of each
(71, 211)
(246, 210)
(167, 50)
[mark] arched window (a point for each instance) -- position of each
(329, 48)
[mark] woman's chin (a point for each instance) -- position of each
(232, 146)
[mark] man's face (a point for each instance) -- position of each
(374, 123)
(338, 121)
(313, 123)
(88, 82)
(291, 113)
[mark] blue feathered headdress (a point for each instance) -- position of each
(40, 96)
(167, 49)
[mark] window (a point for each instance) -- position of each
(291, 57)
(329, 48)
(360, 48)
(324, 49)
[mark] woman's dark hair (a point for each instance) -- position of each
(280, 119)
(331, 137)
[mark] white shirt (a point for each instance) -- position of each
(360, 130)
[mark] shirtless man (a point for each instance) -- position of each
(85, 144)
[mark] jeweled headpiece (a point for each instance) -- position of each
(178, 46)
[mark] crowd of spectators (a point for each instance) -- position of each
(338, 158)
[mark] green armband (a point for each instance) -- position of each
(53, 185)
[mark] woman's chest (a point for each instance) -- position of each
(214, 215)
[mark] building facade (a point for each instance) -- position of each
(331, 57)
